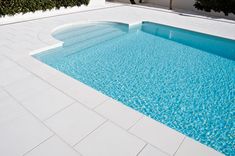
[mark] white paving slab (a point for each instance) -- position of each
(6, 64)
(119, 113)
(53, 147)
(86, 95)
(10, 109)
(19, 131)
(26, 87)
(3, 94)
(47, 102)
(110, 140)
(194, 148)
(158, 135)
(35, 66)
(11, 75)
(74, 123)
(152, 151)
(62, 81)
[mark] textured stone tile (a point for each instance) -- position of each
(194, 148)
(86, 95)
(158, 135)
(12, 75)
(151, 151)
(119, 113)
(53, 147)
(74, 123)
(46, 103)
(110, 140)
(26, 87)
(19, 131)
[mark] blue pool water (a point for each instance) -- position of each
(183, 79)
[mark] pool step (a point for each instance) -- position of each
(77, 39)
(61, 52)
(79, 31)
(92, 42)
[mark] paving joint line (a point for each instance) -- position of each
(61, 110)
(105, 121)
(142, 116)
(146, 142)
(179, 146)
(39, 144)
(108, 98)
(52, 131)
(141, 149)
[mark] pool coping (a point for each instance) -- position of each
(170, 142)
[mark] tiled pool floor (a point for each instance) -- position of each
(44, 112)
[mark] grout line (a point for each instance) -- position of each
(38, 145)
(105, 121)
(179, 146)
(168, 154)
(141, 149)
(61, 110)
(101, 103)
(146, 142)
(142, 116)
(54, 133)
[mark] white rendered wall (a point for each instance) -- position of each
(125, 1)
(185, 5)
(96, 2)
(188, 4)
(159, 2)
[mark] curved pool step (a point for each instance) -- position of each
(60, 52)
(77, 39)
(79, 31)
(72, 49)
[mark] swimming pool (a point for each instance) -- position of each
(181, 78)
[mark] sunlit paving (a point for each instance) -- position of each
(117, 78)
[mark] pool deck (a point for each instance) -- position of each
(43, 112)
